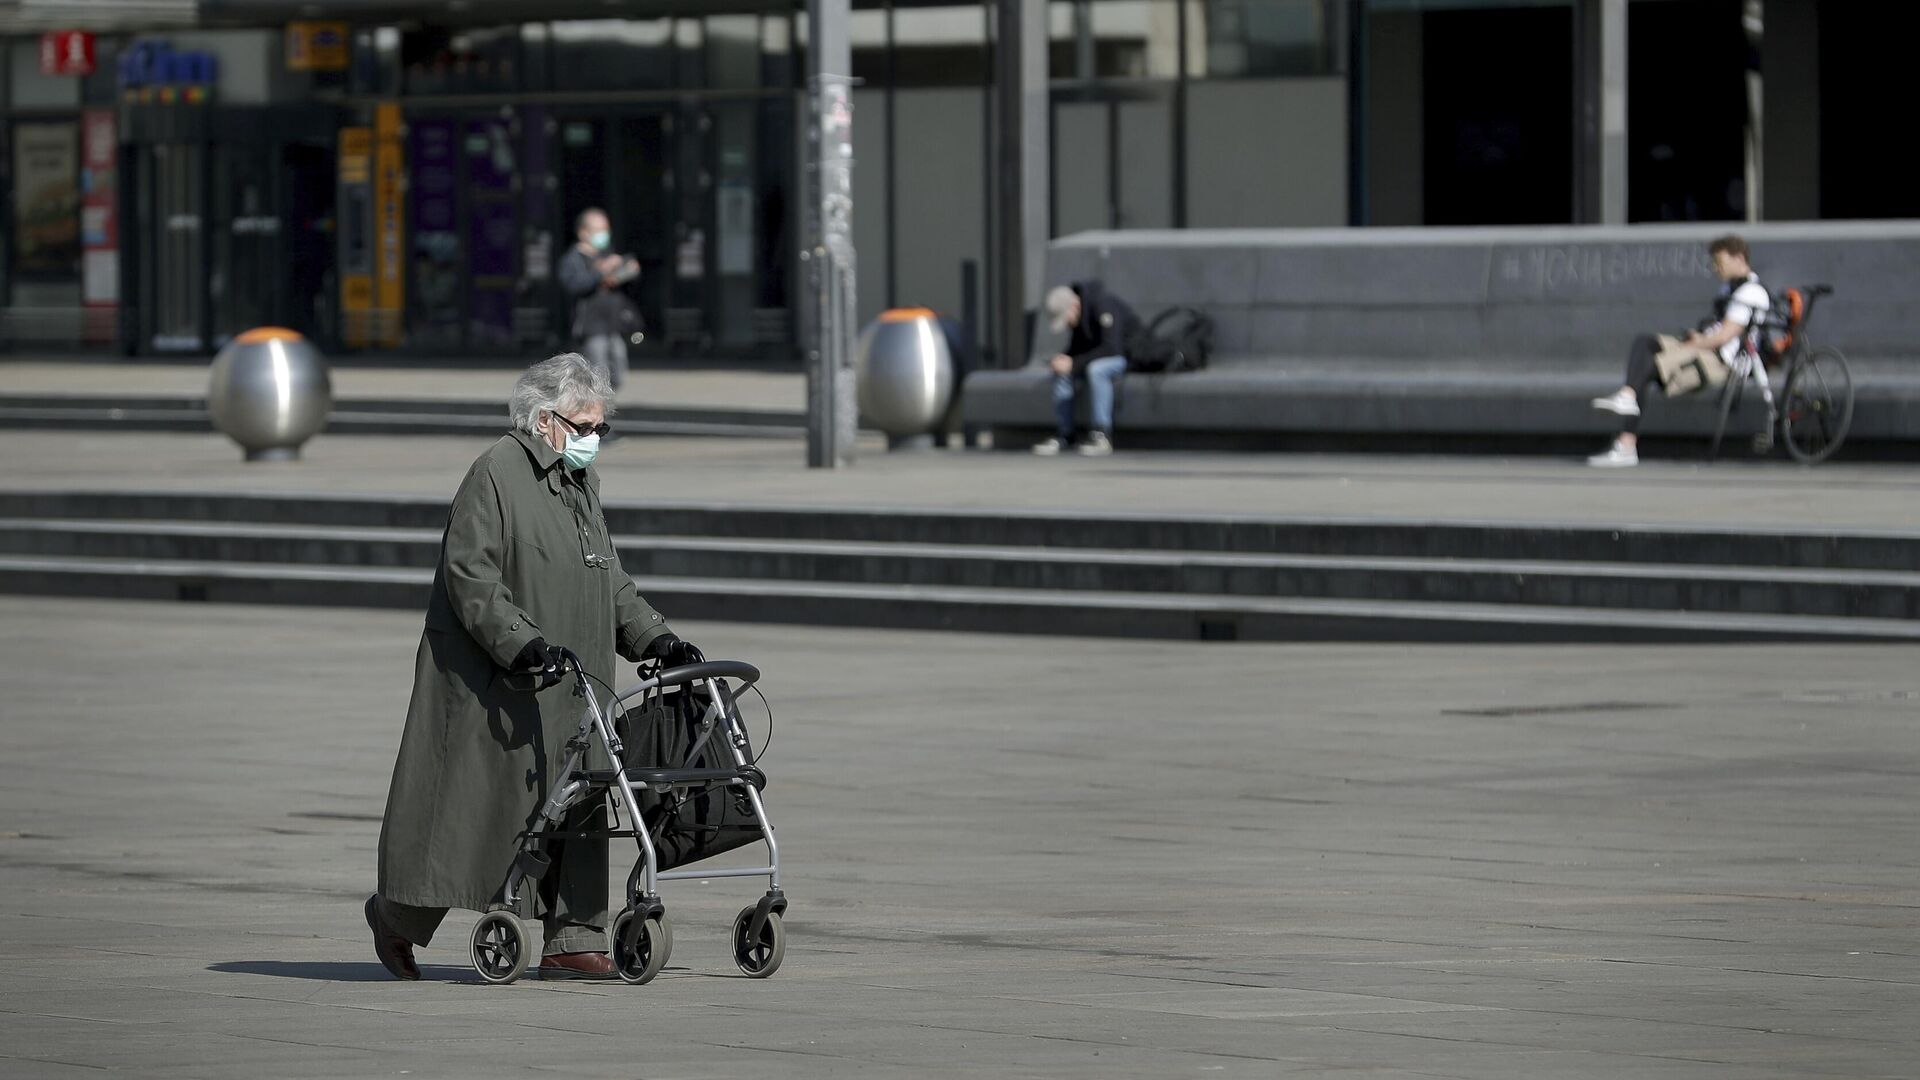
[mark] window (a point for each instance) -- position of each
(1135, 39)
(932, 46)
(733, 51)
(376, 61)
(777, 65)
(464, 61)
(1251, 39)
(46, 199)
(613, 54)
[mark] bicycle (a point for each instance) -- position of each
(1817, 388)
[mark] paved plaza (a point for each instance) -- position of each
(772, 472)
(1738, 491)
(1014, 856)
(1009, 857)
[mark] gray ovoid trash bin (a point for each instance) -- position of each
(269, 391)
(905, 376)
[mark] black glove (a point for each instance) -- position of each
(539, 665)
(674, 652)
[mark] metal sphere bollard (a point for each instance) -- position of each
(905, 376)
(269, 391)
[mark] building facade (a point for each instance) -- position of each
(394, 178)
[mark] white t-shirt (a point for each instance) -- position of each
(1746, 307)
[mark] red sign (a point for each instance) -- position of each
(66, 52)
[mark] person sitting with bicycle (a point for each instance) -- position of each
(1680, 365)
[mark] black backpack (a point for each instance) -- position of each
(1177, 340)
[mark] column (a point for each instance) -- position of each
(826, 249)
(1020, 195)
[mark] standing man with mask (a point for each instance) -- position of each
(592, 275)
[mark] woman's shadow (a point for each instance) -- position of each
(340, 971)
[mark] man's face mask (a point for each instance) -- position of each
(601, 239)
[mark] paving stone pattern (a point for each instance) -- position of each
(1009, 857)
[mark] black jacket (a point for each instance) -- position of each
(1106, 325)
(597, 309)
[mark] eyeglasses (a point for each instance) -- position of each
(583, 429)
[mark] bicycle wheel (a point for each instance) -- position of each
(1818, 406)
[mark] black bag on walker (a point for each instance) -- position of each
(659, 733)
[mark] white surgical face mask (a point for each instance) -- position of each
(601, 239)
(580, 450)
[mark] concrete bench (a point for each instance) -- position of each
(1457, 333)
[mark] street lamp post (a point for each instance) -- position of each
(826, 253)
(1020, 173)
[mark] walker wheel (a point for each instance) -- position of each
(499, 947)
(760, 957)
(640, 948)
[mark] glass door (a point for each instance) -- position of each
(173, 263)
(733, 209)
(622, 163)
(694, 193)
(245, 284)
(647, 225)
(309, 235)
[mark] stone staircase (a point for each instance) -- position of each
(1134, 575)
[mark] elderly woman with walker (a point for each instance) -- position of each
(527, 572)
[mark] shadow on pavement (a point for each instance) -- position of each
(338, 972)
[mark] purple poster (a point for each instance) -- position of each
(537, 197)
(435, 177)
(493, 230)
(436, 243)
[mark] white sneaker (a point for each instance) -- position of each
(1615, 457)
(1618, 402)
(1097, 445)
(1048, 448)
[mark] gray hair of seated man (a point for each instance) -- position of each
(1061, 300)
(563, 384)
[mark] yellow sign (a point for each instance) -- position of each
(317, 46)
(355, 215)
(356, 155)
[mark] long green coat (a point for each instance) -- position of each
(526, 555)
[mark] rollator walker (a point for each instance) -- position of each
(683, 779)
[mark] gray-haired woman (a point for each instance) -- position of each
(526, 567)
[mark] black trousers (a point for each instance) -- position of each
(571, 900)
(1642, 374)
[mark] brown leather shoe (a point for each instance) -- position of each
(577, 965)
(394, 951)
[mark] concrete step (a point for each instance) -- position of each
(1808, 547)
(1645, 587)
(1173, 616)
(370, 416)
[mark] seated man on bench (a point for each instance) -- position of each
(1101, 325)
(1704, 357)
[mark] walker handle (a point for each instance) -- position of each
(708, 669)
